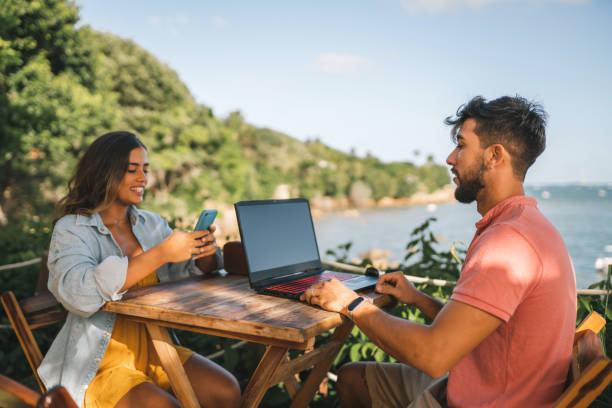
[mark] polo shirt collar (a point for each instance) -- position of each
(502, 206)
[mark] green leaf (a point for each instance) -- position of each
(380, 355)
(355, 353)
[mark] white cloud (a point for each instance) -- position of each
(342, 64)
(218, 21)
(441, 6)
(171, 23)
(154, 20)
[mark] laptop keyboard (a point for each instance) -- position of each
(299, 286)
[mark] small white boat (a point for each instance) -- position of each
(545, 195)
(601, 264)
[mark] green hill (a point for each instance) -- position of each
(62, 87)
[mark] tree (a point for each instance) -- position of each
(47, 102)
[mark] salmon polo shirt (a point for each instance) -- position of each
(517, 268)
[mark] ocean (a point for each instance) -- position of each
(581, 213)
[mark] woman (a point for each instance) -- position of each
(101, 246)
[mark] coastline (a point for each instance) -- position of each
(227, 225)
(323, 206)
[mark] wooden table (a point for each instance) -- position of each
(226, 306)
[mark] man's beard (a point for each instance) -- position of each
(470, 184)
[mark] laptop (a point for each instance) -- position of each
(281, 249)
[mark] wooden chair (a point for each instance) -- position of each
(40, 310)
(29, 314)
(21, 392)
(57, 397)
(590, 370)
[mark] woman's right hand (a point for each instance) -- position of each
(181, 246)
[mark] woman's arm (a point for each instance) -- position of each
(83, 284)
(179, 246)
(77, 279)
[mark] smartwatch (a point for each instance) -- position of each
(354, 305)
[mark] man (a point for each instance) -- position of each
(505, 336)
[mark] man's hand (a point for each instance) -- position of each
(330, 295)
(396, 285)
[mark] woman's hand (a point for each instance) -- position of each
(181, 245)
(208, 262)
(209, 243)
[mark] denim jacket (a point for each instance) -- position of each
(87, 269)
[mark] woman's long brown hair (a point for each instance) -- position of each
(93, 187)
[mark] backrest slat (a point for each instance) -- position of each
(594, 322)
(38, 303)
(34, 312)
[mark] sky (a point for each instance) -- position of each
(380, 76)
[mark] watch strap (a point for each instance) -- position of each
(354, 305)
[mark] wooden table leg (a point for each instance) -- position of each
(310, 386)
(260, 379)
(172, 364)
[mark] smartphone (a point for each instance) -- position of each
(206, 218)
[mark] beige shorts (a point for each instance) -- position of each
(400, 385)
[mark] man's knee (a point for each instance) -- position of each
(352, 386)
(351, 374)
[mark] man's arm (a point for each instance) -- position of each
(434, 349)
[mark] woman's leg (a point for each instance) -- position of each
(214, 386)
(147, 395)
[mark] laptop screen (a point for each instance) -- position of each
(278, 237)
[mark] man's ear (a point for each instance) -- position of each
(495, 155)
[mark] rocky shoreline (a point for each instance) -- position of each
(323, 206)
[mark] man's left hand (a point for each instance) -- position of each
(330, 295)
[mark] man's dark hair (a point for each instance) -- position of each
(514, 122)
